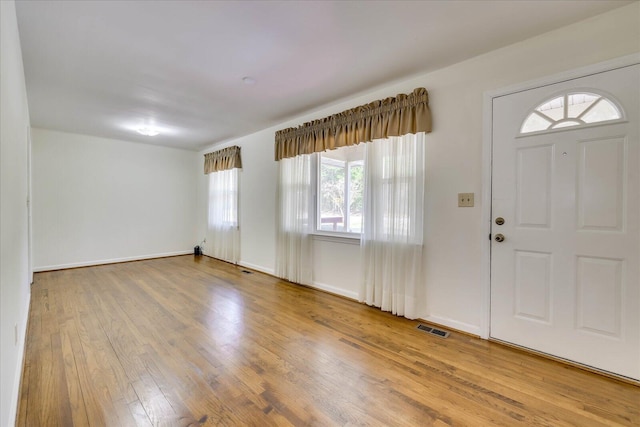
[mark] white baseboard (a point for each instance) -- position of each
(334, 290)
(17, 380)
(269, 271)
(316, 285)
(109, 261)
(454, 324)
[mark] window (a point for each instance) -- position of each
(571, 109)
(340, 190)
(223, 233)
(394, 186)
(295, 195)
(223, 198)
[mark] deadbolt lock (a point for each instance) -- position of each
(499, 238)
(499, 220)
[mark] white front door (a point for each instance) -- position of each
(566, 278)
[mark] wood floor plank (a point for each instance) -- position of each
(192, 341)
(70, 352)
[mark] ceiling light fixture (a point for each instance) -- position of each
(147, 131)
(249, 80)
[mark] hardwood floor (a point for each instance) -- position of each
(190, 341)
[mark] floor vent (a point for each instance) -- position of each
(247, 271)
(433, 331)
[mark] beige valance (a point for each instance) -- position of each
(380, 119)
(227, 158)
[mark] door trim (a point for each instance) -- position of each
(29, 207)
(487, 161)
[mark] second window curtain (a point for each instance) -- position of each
(223, 231)
(392, 238)
(294, 220)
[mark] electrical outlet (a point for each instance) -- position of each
(465, 200)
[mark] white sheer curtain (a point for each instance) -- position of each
(294, 221)
(223, 233)
(392, 238)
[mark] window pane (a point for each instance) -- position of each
(578, 102)
(356, 192)
(223, 198)
(534, 123)
(602, 111)
(340, 190)
(553, 108)
(332, 176)
(565, 124)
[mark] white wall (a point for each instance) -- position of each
(99, 200)
(14, 275)
(454, 236)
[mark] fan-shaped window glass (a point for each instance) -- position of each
(573, 109)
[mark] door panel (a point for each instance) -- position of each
(601, 195)
(599, 295)
(533, 189)
(566, 279)
(533, 286)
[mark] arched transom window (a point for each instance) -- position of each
(570, 109)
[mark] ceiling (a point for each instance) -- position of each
(105, 68)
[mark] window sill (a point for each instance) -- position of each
(337, 238)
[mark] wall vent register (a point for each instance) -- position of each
(433, 331)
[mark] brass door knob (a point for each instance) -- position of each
(499, 238)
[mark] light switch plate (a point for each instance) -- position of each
(465, 200)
